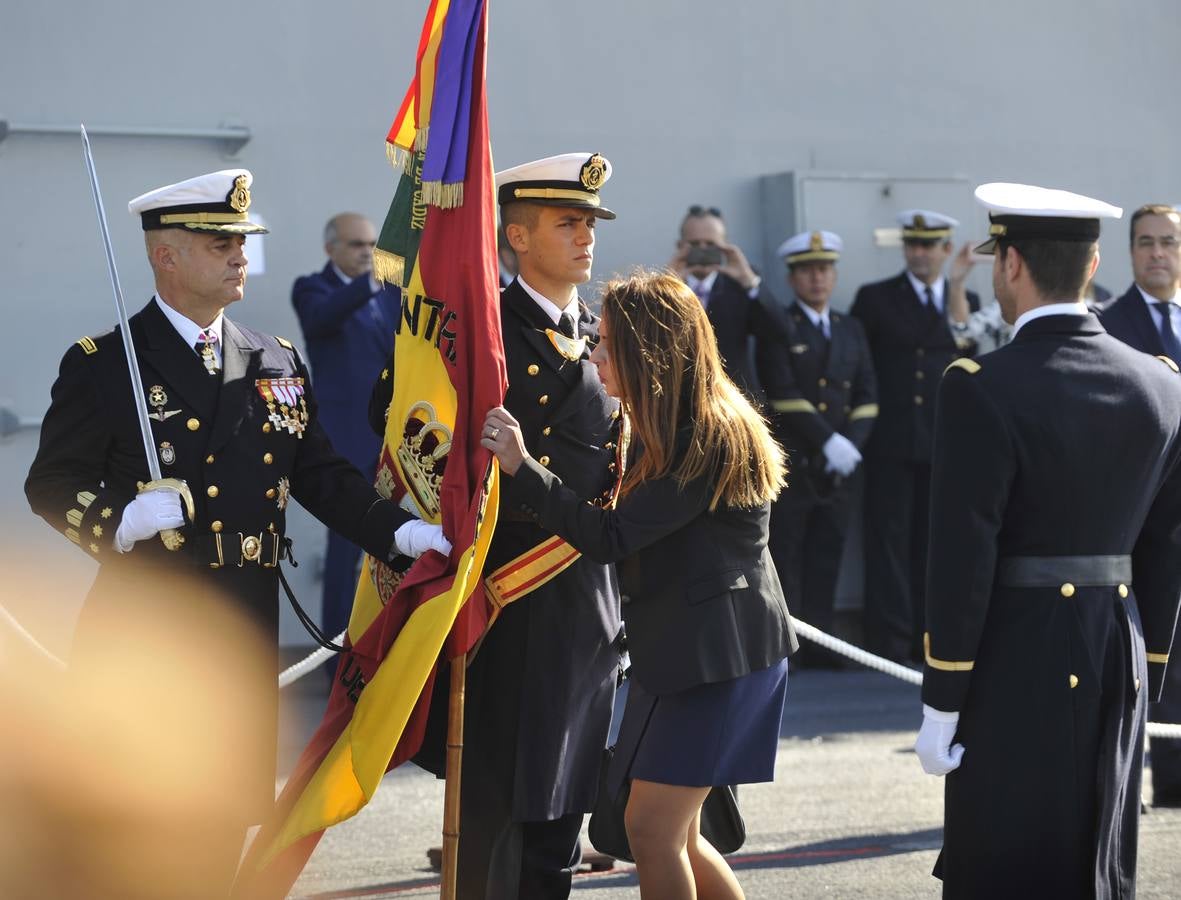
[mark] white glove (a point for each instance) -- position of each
(841, 455)
(415, 537)
(936, 753)
(408, 503)
(146, 516)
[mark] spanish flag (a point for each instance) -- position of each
(439, 244)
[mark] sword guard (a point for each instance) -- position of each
(172, 537)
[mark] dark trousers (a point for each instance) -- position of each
(806, 541)
(897, 499)
(1166, 752)
(340, 584)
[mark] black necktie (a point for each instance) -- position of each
(566, 325)
(1168, 334)
(931, 307)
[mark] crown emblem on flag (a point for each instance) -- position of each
(422, 456)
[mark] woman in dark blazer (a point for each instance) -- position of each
(708, 629)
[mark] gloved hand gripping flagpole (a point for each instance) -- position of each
(171, 537)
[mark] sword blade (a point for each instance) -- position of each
(137, 385)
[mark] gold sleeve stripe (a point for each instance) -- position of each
(944, 665)
(72, 535)
(968, 365)
(1161, 658)
(1169, 362)
(85, 498)
(793, 406)
(74, 517)
(88, 345)
(283, 342)
(865, 411)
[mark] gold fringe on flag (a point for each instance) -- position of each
(445, 196)
(420, 138)
(400, 158)
(388, 268)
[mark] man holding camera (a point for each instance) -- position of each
(721, 277)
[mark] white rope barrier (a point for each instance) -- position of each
(7, 618)
(313, 660)
(914, 676)
(317, 657)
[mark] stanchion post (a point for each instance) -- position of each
(453, 782)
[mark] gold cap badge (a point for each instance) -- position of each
(817, 242)
(593, 171)
(239, 195)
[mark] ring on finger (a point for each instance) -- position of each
(495, 431)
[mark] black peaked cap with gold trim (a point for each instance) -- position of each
(1027, 212)
(217, 202)
(569, 180)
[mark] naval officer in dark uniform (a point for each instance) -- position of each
(233, 416)
(1148, 317)
(906, 321)
(815, 367)
(1055, 572)
(541, 687)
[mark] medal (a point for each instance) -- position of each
(167, 453)
(158, 400)
(286, 407)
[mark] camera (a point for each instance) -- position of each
(704, 255)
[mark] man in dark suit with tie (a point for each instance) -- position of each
(906, 321)
(815, 367)
(348, 322)
(1148, 317)
(722, 278)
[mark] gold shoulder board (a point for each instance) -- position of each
(89, 346)
(283, 342)
(1168, 362)
(968, 365)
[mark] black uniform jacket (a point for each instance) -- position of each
(815, 386)
(1130, 320)
(1063, 443)
(911, 346)
(216, 434)
(541, 688)
(733, 315)
(701, 597)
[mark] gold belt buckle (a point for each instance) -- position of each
(251, 548)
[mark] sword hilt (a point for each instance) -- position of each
(172, 537)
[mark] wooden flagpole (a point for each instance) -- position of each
(452, 783)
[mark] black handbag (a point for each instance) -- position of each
(721, 819)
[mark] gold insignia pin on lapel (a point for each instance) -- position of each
(567, 347)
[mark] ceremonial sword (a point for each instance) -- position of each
(171, 537)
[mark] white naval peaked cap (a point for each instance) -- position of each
(925, 225)
(216, 202)
(811, 246)
(1025, 211)
(569, 180)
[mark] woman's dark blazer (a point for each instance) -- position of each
(701, 598)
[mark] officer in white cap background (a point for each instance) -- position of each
(815, 367)
(232, 415)
(1055, 572)
(906, 321)
(540, 689)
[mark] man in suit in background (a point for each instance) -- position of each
(348, 322)
(722, 278)
(1148, 317)
(906, 321)
(815, 367)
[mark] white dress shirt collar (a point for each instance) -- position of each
(548, 306)
(1151, 300)
(1072, 308)
(920, 288)
(819, 319)
(701, 286)
(189, 330)
(341, 275)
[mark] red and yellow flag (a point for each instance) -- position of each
(439, 244)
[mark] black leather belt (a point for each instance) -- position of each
(1052, 571)
(233, 548)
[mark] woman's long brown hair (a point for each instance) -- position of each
(666, 361)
